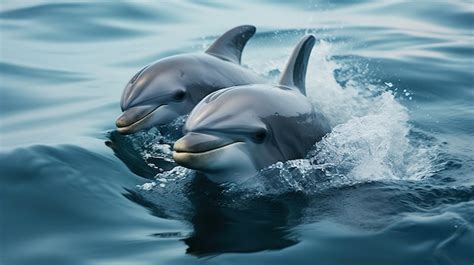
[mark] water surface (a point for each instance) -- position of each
(392, 184)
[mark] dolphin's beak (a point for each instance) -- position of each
(199, 142)
(190, 148)
(130, 120)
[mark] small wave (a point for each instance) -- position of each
(86, 22)
(42, 75)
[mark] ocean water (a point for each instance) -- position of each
(393, 183)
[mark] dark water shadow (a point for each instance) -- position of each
(250, 226)
(225, 224)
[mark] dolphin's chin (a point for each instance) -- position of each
(154, 116)
(133, 128)
(198, 160)
(135, 119)
(127, 130)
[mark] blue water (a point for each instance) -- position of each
(392, 184)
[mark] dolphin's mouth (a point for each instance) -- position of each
(220, 158)
(196, 143)
(199, 160)
(200, 143)
(198, 151)
(204, 152)
(129, 120)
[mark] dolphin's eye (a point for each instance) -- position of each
(179, 95)
(260, 135)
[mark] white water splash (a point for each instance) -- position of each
(373, 147)
(151, 144)
(337, 103)
(157, 144)
(176, 174)
(370, 138)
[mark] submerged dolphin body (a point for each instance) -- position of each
(171, 87)
(234, 132)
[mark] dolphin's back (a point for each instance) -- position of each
(204, 74)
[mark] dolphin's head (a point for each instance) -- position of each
(227, 136)
(156, 95)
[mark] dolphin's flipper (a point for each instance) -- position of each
(229, 46)
(295, 70)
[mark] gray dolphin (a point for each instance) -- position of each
(234, 132)
(171, 87)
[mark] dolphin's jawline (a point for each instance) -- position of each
(142, 118)
(207, 151)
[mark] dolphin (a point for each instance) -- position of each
(234, 132)
(171, 87)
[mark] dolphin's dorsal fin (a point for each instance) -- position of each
(229, 46)
(294, 74)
